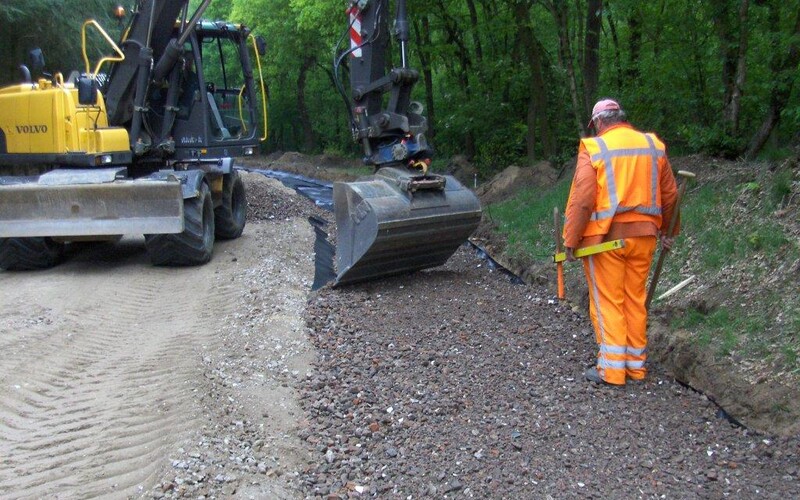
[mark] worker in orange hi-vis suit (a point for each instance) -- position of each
(623, 188)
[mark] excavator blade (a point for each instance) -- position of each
(79, 203)
(399, 222)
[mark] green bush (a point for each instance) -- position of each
(503, 147)
(713, 141)
(781, 187)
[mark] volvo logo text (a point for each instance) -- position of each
(31, 129)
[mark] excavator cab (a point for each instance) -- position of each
(217, 96)
(403, 218)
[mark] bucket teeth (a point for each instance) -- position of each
(390, 225)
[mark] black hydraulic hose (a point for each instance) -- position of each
(184, 15)
(337, 61)
(151, 22)
(145, 60)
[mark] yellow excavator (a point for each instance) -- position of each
(145, 143)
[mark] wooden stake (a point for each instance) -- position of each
(559, 249)
(676, 288)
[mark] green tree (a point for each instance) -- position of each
(55, 27)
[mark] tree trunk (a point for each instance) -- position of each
(539, 97)
(784, 73)
(453, 36)
(536, 117)
(476, 39)
(424, 43)
(724, 25)
(591, 52)
(741, 69)
(309, 143)
(635, 23)
(612, 28)
(559, 11)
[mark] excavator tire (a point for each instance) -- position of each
(195, 244)
(25, 254)
(230, 217)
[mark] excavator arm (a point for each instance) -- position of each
(394, 133)
(404, 218)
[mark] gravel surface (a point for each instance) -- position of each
(248, 445)
(454, 382)
(450, 383)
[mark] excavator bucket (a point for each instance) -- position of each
(399, 222)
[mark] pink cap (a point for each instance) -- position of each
(604, 105)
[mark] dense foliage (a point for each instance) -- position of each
(513, 80)
(54, 26)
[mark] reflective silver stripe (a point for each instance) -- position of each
(596, 296)
(609, 363)
(654, 155)
(637, 352)
(654, 210)
(604, 214)
(606, 156)
(634, 364)
(613, 349)
(627, 152)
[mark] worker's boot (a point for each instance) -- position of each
(592, 375)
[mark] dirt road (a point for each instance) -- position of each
(123, 379)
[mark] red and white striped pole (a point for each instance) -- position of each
(355, 31)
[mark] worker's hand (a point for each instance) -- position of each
(666, 242)
(570, 255)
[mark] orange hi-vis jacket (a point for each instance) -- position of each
(630, 168)
(628, 164)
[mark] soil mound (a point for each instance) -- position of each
(513, 179)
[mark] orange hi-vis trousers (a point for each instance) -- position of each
(617, 294)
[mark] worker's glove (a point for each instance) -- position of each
(571, 255)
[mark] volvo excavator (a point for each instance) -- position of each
(143, 143)
(147, 147)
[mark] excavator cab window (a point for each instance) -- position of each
(36, 62)
(229, 114)
(190, 87)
